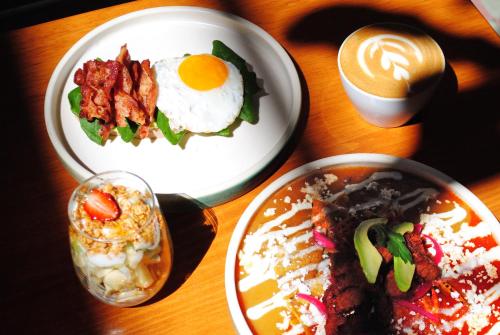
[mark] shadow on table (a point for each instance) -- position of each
(40, 292)
(460, 129)
(193, 228)
(23, 13)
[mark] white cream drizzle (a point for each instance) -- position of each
(298, 273)
(452, 310)
(420, 194)
(295, 330)
(492, 294)
(478, 257)
(296, 207)
(356, 187)
(495, 330)
(277, 300)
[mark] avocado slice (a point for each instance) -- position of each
(369, 257)
(403, 272)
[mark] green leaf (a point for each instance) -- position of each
(74, 97)
(164, 125)
(226, 132)
(92, 129)
(250, 88)
(127, 133)
(397, 247)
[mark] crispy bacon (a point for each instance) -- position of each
(124, 82)
(128, 107)
(97, 79)
(147, 91)
(124, 56)
(116, 90)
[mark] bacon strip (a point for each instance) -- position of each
(115, 90)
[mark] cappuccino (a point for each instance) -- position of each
(391, 60)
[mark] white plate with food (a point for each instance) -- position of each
(365, 244)
(205, 165)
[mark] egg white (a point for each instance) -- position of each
(197, 111)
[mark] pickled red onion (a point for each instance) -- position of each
(313, 301)
(322, 240)
(417, 309)
(421, 290)
(437, 247)
(418, 228)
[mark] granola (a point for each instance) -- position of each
(124, 260)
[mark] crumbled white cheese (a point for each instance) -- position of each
(330, 178)
(269, 212)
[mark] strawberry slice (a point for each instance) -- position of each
(101, 206)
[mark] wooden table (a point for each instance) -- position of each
(458, 134)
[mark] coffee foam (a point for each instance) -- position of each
(391, 60)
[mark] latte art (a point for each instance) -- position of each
(390, 60)
(397, 59)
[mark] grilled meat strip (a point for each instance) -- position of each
(345, 299)
(426, 269)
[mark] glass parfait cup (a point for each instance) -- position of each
(120, 243)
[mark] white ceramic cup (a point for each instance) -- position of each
(382, 111)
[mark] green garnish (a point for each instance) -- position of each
(369, 257)
(127, 133)
(164, 125)
(92, 129)
(250, 88)
(397, 247)
(74, 97)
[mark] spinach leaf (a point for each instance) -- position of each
(164, 125)
(397, 247)
(92, 129)
(250, 88)
(127, 133)
(74, 97)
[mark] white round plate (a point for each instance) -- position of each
(369, 160)
(210, 169)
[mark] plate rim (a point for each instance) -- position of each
(208, 196)
(355, 159)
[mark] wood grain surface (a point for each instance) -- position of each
(458, 133)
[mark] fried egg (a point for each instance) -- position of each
(199, 93)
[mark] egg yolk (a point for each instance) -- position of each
(203, 72)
